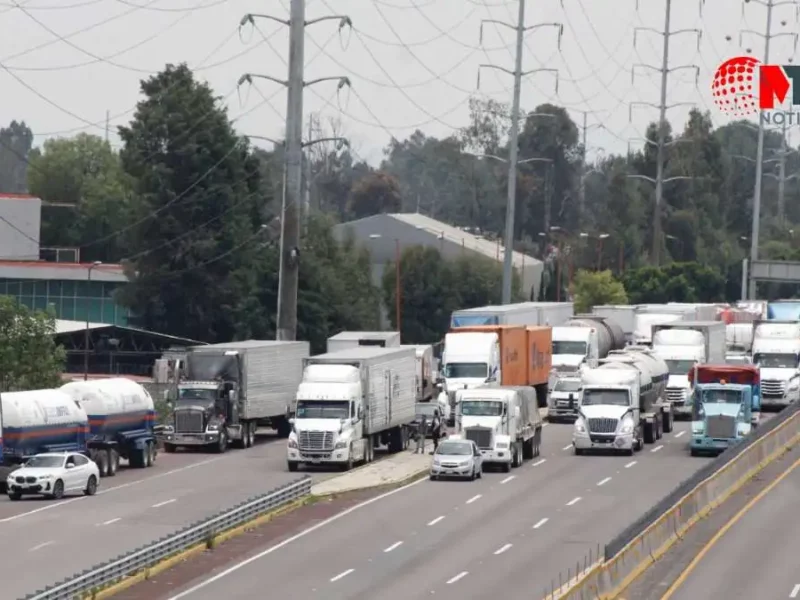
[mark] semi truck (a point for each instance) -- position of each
(504, 423)
(583, 340)
(725, 406)
(496, 355)
(622, 405)
(522, 313)
(682, 345)
(231, 389)
(351, 402)
(776, 351)
(121, 417)
(564, 399)
(353, 339)
(784, 310)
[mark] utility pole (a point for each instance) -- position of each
(756, 223)
(662, 106)
(517, 73)
(290, 219)
(584, 172)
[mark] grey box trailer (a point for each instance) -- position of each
(353, 339)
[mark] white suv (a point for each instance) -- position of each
(53, 475)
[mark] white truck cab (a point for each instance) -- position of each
(779, 363)
(573, 348)
(681, 349)
(469, 360)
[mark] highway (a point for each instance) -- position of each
(510, 532)
(54, 540)
(757, 557)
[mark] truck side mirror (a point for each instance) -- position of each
(291, 421)
(439, 385)
(360, 412)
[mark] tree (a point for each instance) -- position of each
(594, 288)
(85, 173)
(376, 193)
(676, 282)
(200, 205)
(29, 356)
(16, 143)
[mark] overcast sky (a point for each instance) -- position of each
(413, 63)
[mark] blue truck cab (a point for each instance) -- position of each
(726, 400)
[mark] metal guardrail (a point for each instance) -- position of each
(617, 571)
(205, 531)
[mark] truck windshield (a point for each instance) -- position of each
(679, 367)
(776, 361)
(466, 370)
(323, 409)
(577, 348)
(567, 385)
(195, 394)
(605, 397)
(720, 396)
(481, 408)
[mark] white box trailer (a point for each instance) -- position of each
(425, 372)
(350, 402)
(522, 313)
(623, 315)
(354, 339)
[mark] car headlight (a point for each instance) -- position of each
(627, 426)
(465, 463)
(580, 426)
(341, 444)
(292, 443)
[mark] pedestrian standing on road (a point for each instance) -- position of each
(435, 430)
(422, 429)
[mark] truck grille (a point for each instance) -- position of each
(773, 388)
(481, 436)
(189, 421)
(602, 425)
(315, 440)
(721, 426)
(676, 395)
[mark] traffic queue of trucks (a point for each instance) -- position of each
(107, 420)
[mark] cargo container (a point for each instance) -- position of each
(353, 339)
(523, 313)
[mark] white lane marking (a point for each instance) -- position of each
(160, 504)
(656, 449)
(435, 521)
(679, 434)
(457, 577)
(540, 522)
(539, 462)
(795, 591)
(240, 565)
(474, 498)
(574, 501)
(111, 521)
(630, 464)
(117, 487)
(507, 479)
(42, 545)
(604, 481)
(502, 549)
(567, 447)
(342, 575)
(393, 546)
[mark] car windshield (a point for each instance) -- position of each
(719, 396)
(196, 394)
(604, 397)
(578, 348)
(679, 367)
(45, 462)
(322, 409)
(466, 371)
(481, 408)
(568, 385)
(776, 361)
(454, 449)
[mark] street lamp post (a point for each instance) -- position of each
(92, 266)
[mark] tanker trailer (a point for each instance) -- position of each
(121, 417)
(610, 335)
(38, 421)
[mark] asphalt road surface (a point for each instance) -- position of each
(757, 557)
(510, 532)
(52, 540)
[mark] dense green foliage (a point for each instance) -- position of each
(593, 288)
(29, 356)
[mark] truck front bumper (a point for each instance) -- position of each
(776, 402)
(622, 441)
(701, 443)
(192, 439)
(336, 456)
(682, 408)
(496, 457)
(556, 413)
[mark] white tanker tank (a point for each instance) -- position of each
(654, 369)
(610, 335)
(39, 421)
(121, 416)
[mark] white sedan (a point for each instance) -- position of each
(53, 475)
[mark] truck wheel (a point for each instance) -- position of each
(349, 464)
(527, 449)
(668, 420)
(577, 451)
(649, 433)
(101, 458)
(169, 448)
(292, 466)
(152, 453)
(113, 462)
(250, 439)
(222, 443)
(283, 427)
(506, 467)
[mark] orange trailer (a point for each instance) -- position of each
(540, 354)
(513, 350)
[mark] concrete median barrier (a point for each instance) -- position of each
(608, 578)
